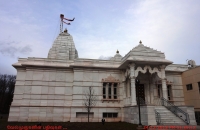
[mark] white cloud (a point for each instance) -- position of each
(12, 48)
(100, 28)
(161, 25)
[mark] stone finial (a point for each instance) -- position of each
(65, 31)
(117, 51)
(140, 42)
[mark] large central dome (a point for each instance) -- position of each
(63, 47)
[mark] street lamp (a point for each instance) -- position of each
(138, 102)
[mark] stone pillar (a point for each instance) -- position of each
(128, 88)
(133, 93)
(152, 92)
(123, 89)
(123, 84)
(164, 86)
(132, 76)
(147, 90)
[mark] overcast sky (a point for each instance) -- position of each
(28, 28)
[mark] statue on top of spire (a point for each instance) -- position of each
(61, 21)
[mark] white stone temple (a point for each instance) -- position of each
(52, 89)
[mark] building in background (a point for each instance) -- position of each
(52, 89)
(191, 88)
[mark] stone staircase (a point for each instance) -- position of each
(167, 117)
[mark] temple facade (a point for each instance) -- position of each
(52, 89)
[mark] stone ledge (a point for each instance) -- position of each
(111, 100)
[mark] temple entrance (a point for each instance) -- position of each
(140, 93)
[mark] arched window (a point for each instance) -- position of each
(110, 88)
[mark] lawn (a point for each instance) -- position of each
(73, 125)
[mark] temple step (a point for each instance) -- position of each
(167, 117)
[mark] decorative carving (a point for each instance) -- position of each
(139, 69)
(110, 78)
(155, 70)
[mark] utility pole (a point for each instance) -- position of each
(140, 127)
(61, 22)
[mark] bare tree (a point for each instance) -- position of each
(89, 100)
(7, 85)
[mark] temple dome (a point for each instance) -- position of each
(142, 55)
(117, 57)
(63, 47)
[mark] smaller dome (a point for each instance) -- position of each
(117, 56)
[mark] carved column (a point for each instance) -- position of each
(164, 86)
(132, 77)
(124, 89)
(133, 93)
(123, 86)
(152, 92)
(128, 88)
(148, 93)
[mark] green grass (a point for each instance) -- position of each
(74, 125)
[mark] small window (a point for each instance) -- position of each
(114, 114)
(110, 115)
(199, 86)
(104, 115)
(104, 91)
(109, 91)
(84, 114)
(189, 86)
(115, 91)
